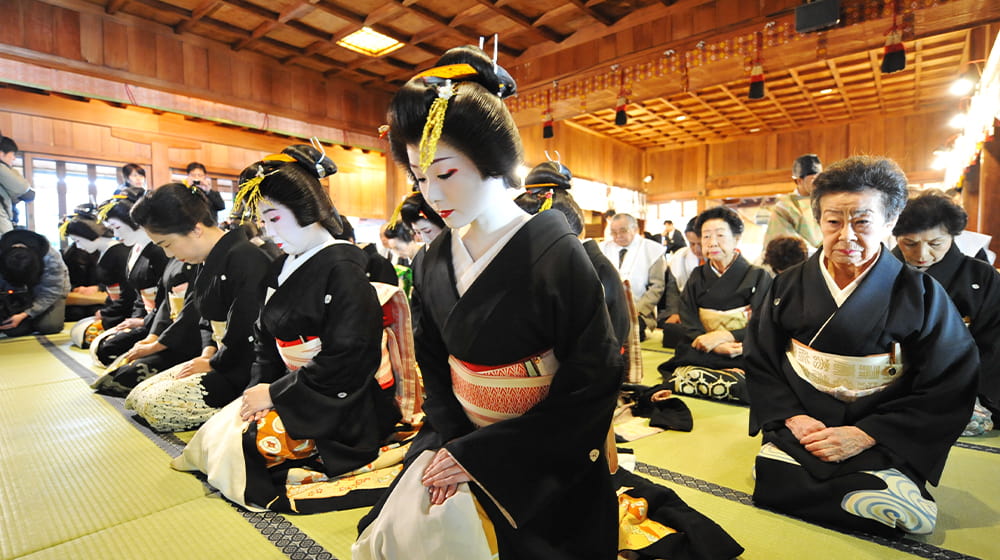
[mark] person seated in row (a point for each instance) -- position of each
(33, 285)
(925, 239)
(640, 261)
(86, 296)
(861, 372)
(422, 219)
(377, 267)
(315, 408)
(403, 243)
(784, 252)
(228, 293)
(679, 269)
(718, 300)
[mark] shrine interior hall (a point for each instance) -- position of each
(648, 102)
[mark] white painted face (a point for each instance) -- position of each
(925, 248)
(427, 229)
(853, 226)
(452, 185)
(283, 228)
(124, 232)
(83, 243)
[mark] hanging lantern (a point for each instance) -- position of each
(621, 117)
(894, 55)
(547, 131)
(757, 72)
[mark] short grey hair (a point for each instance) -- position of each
(632, 222)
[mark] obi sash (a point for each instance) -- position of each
(114, 291)
(846, 378)
(218, 331)
(176, 299)
(297, 353)
(726, 319)
(490, 394)
(148, 296)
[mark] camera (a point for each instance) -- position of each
(13, 301)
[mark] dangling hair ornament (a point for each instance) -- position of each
(63, 227)
(320, 170)
(435, 124)
(249, 194)
(547, 195)
(383, 131)
(102, 212)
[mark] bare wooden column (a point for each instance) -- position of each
(989, 192)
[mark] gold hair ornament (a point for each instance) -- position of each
(249, 193)
(65, 225)
(547, 195)
(435, 124)
(102, 212)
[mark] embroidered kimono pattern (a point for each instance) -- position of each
(913, 419)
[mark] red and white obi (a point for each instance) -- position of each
(491, 394)
(114, 292)
(297, 353)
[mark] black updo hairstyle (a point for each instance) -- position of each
(83, 223)
(121, 206)
(930, 210)
(476, 121)
(398, 230)
(858, 173)
(720, 213)
(414, 208)
(551, 177)
(295, 185)
(173, 208)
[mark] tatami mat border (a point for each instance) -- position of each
(977, 447)
(285, 536)
(922, 550)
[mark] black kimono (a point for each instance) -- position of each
(378, 268)
(144, 274)
(914, 420)
(82, 268)
(546, 469)
(614, 290)
(974, 288)
(113, 275)
(740, 285)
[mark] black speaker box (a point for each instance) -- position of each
(817, 15)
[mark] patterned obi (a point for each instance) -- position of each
(218, 331)
(114, 291)
(727, 319)
(846, 378)
(297, 353)
(176, 299)
(148, 296)
(490, 394)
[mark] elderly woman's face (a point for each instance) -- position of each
(926, 247)
(853, 226)
(718, 244)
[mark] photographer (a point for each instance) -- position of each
(13, 187)
(33, 285)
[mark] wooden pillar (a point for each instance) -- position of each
(989, 193)
(397, 185)
(160, 172)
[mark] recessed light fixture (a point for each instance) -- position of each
(647, 179)
(754, 130)
(681, 118)
(826, 91)
(369, 42)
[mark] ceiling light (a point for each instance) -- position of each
(681, 118)
(369, 42)
(826, 91)
(647, 179)
(942, 159)
(754, 130)
(958, 121)
(961, 86)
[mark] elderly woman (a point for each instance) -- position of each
(716, 305)
(925, 234)
(861, 373)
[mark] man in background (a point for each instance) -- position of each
(13, 186)
(672, 238)
(641, 262)
(792, 213)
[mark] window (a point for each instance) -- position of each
(60, 186)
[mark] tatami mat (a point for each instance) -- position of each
(80, 479)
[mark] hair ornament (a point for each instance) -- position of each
(447, 72)
(383, 131)
(249, 194)
(435, 124)
(547, 195)
(102, 212)
(64, 226)
(320, 170)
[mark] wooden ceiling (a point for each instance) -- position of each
(552, 44)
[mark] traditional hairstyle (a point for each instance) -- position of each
(784, 252)
(7, 144)
(459, 102)
(546, 185)
(930, 210)
(173, 208)
(129, 168)
(858, 173)
(120, 206)
(291, 179)
(414, 208)
(805, 165)
(720, 213)
(692, 226)
(398, 230)
(195, 165)
(83, 223)
(348, 230)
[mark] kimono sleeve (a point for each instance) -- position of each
(246, 270)
(690, 320)
(985, 329)
(761, 283)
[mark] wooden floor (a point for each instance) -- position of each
(79, 478)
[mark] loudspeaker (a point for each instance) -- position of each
(817, 15)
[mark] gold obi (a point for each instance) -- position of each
(846, 378)
(176, 299)
(490, 394)
(726, 320)
(218, 331)
(148, 296)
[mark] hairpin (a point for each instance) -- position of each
(320, 171)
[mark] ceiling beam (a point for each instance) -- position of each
(113, 6)
(205, 9)
(523, 21)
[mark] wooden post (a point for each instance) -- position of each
(989, 192)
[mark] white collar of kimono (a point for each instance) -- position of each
(293, 262)
(467, 269)
(137, 250)
(841, 295)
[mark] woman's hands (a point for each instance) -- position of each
(832, 445)
(710, 340)
(256, 402)
(443, 476)
(194, 366)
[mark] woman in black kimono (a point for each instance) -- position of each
(314, 403)
(861, 373)
(228, 293)
(514, 340)
(144, 269)
(718, 301)
(174, 335)
(925, 234)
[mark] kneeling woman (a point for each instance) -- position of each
(228, 294)
(718, 300)
(315, 408)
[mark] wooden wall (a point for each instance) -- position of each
(761, 165)
(588, 155)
